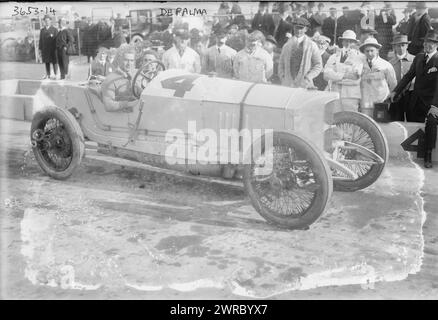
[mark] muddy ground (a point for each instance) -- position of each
(115, 230)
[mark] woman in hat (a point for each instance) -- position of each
(378, 76)
(343, 71)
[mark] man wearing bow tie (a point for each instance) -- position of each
(424, 104)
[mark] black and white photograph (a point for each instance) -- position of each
(238, 151)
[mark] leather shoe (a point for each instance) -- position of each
(428, 159)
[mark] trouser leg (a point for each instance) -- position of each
(48, 69)
(55, 68)
(61, 61)
(431, 131)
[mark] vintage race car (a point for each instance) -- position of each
(306, 142)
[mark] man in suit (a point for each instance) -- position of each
(263, 20)
(419, 25)
(63, 40)
(401, 62)
(424, 98)
(47, 46)
(329, 26)
(219, 58)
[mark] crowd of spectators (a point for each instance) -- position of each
(300, 46)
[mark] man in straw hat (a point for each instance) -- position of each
(300, 59)
(419, 25)
(401, 62)
(343, 70)
(424, 104)
(378, 76)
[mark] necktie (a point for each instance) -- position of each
(425, 59)
(370, 64)
(344, 57)
(219, 50)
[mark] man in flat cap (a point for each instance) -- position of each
(219, 57)
(300, 59)
(253, 63)
(401, 62)
(423, 104)
(181, 56)
(419, 25)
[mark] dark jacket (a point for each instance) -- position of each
(384, 30)
(315, 24)
(426, 81)
(264, 23)
(280, 36)
(63, 39)
(328, 29)
(345, 24)
(47, 44)
(417, 31)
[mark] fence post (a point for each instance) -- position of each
(35, 43)
(79, 43)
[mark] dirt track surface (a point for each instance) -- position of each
(116, 231)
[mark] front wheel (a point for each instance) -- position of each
(366, 155)
(296, 191)
(57, 142)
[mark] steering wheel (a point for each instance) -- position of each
(144, 75)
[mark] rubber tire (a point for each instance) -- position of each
(321, 169)
(74, 132)
(380, 144)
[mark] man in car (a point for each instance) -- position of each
(117, 88)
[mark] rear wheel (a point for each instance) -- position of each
(296, 191)
(57, 142)
(361, 130)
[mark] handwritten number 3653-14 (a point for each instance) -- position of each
(32, 10)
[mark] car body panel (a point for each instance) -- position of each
(174, 97)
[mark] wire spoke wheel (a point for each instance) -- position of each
(56, 146)
(363, 131)
(353, 160)
(57, 141)
(292, 189)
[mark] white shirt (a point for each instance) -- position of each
(300, 39)
(189, 61)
